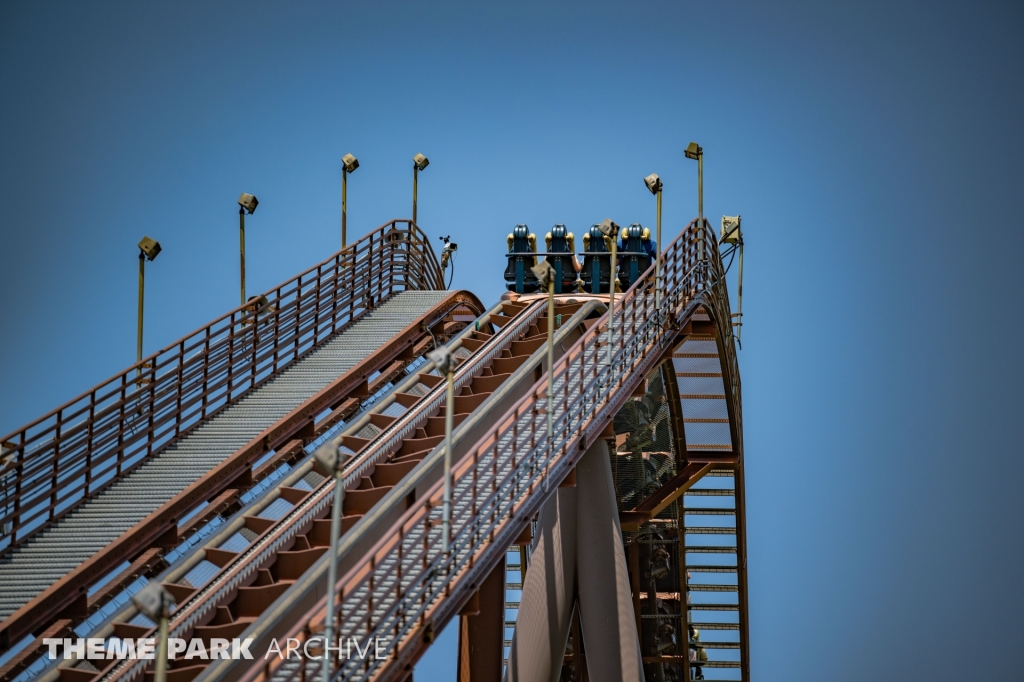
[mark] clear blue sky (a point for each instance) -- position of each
(873, 149)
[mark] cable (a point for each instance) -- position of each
(451, 262)
(732, 255)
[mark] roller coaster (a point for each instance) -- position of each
(610, 546)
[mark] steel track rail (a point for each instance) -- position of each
(72, 586)
(419, 480)
(317, 503)
(111, 428)
(384, 397)
(405, 589)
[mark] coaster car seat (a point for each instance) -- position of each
(634, 258)
(522, 244)
(559, 240)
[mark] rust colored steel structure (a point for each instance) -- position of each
(399, 444)
(62, 459)
(405, 589)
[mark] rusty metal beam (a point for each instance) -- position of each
(160, 527)
(668, 493)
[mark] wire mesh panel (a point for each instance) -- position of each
(645, 458)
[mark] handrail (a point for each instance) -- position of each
(406, 583)
(238, 572)
(51, 465)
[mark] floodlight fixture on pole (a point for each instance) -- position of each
(419, 162)
(328, 460)
(349, 164)
(653, 183)
(149, 249)
(246, 203)
(155, 603)
(448, 249)
(444, 361)
(545, 274)
(610, 230)
(696, 152)
(258, 303)
(733, 234)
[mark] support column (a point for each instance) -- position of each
(578, 549)
(482, 636)
(606, 602)
(542, 628)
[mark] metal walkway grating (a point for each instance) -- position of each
(45, 558)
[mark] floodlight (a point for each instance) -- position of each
(350, 162)
(248, 202)
(420, 161)
(153, 601)
(326, 458)
(442, 359)
(731, 233)
(608, 228)
(258, 304)
(653, 183)
(544, 272)
(693, 151)
(150, 248)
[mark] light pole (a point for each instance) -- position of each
(149, 249)
(246, 202)
(444, 361)
(611, 231)
(695, 151)
(653, 183)
(733, 234)
(329, 461)
(545, 274)
(419, 162)
(154, 602)
(348, 165)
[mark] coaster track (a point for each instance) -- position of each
(264, 574)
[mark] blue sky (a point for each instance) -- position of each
(872, 148)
